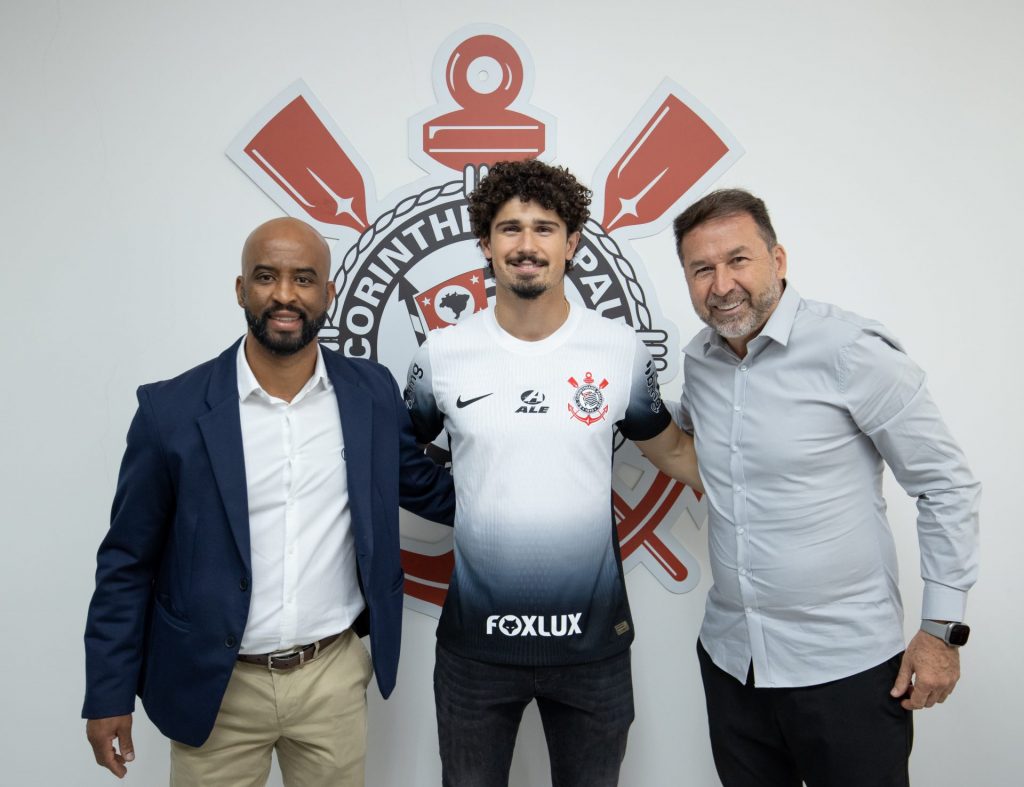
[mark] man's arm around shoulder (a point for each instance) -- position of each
(673, 453)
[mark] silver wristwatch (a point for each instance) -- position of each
(953, 634)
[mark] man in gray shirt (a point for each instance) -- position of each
(795, 405)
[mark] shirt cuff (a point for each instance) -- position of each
(942, 602)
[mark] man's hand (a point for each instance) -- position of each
(935, 667)
(101, 734)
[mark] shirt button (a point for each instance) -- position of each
(737, 408)
(743, 572)
(737, 488)
(743, 368)
(739, 530)
(748, 610)
(735, 448)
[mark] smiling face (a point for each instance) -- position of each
(528, 246)
(735, 279)
(285, 287)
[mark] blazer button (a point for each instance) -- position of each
(230, 642)
(243, 585)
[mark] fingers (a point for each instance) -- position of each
(935, 668)
(101, 734)
(929, 692)
(902, 684)
(124, 741)
(925, 698)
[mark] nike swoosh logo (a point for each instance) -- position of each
(460, 403)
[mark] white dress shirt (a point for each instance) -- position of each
(791, 441)
(304, 583)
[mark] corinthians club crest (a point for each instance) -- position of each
(588, 400)
(409, 264)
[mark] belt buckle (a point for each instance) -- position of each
(300, 651)
(282, 654)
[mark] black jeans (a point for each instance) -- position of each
(586, 710)
(844, 733)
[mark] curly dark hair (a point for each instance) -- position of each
(553, 188)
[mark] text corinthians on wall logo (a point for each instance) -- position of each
(408, 264)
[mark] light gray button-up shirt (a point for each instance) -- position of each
(791, 441)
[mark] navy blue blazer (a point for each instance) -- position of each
(174, 573)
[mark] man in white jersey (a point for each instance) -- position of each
(795, 406)
(253, 540)
(529, 392)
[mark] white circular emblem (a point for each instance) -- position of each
(589, 398)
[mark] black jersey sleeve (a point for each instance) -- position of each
(646, 415)
(427, 418)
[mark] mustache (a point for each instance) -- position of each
(524, 257)
(266, 313)
(734, 296)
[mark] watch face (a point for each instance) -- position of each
(958, 634)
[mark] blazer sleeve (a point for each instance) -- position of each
(125, 567)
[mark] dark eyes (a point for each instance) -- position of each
(267, 278)
(707, 270)
(511, 229)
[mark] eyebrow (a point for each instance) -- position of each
(534, 223)
(742, 249)
(261, 267)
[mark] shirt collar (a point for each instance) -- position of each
(249, 385)
(778, 328)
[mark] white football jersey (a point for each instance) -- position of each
(537, 578)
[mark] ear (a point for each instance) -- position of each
(331, 293)
(571, 243)
(239, 290)
(779, 257)
(485, 245)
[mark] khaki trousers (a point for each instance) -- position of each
(314, 716)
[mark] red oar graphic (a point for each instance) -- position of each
(426, 576)
(297, 150)
(636, 526)
(674, 148)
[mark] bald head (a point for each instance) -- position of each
(285, 287)
(288, 232)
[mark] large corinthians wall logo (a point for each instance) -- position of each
(408, 264)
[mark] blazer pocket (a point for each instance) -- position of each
(174, 621)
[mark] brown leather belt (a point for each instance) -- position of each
(282, 660)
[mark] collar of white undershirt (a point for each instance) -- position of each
(249, 385)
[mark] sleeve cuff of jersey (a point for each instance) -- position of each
(943, 603)
(655, 426)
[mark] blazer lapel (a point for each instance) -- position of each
(355, 407)
(221, 428)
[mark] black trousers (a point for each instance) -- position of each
(844, 733)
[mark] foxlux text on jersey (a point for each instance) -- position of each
(535, 625)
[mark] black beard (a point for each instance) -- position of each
(310, 329)
(528, 291)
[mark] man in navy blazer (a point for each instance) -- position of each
(184, 575)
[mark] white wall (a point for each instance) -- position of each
(884, 136)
